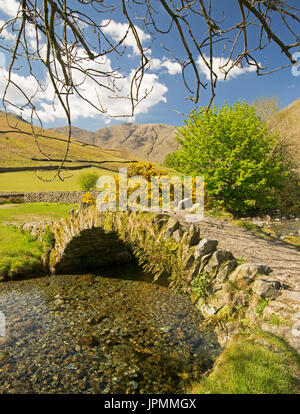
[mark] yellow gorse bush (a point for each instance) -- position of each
(88, 198)
(148, 170)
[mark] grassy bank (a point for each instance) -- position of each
(18, 251)
(24, 213)
(256, 363)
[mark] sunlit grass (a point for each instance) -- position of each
(27, 181)
(255, 364)
(18, 250)
(22, 213)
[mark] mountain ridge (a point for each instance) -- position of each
(151, 142)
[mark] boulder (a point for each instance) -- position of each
(194, 236)
(245, 274)
(206, 246)
(171, 227)
(240, 299)
(220, 256)
(190, 260)
(177, 235)
(292, 297)
(266, 288)
(225, 271)
(208, 310)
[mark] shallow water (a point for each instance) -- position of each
(287, 227)
(100, 334)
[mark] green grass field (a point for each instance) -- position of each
(27, 181)
(24, 213)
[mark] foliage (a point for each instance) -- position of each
(158, 257)
(261, 304)
(258, 363)
(200, 285)
(240, 160)
(48, 238)
(88, 198)
(147, 171)
(87, 181)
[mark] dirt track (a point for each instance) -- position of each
(281, 257)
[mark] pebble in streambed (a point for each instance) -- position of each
(94, 334)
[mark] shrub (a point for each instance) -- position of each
(242, 163)
(88, 198)
(87, 181)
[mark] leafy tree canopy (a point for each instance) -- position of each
(242, 163)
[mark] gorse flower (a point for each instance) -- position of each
(88, 198)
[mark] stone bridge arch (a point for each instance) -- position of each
(86, 241)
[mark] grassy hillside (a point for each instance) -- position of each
(287, 123)
(18, 150)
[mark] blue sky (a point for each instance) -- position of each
(169, 92)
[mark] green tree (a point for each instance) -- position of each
(240, 160)
(87, 181)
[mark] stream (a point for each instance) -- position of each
(101, 334)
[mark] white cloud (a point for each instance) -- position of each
(9, 7)
(155, 64)
(27, 85)
(4, 33)
(218, 63)
(115, 105)
(118, 30)
(172, 67)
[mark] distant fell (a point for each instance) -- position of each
(151, 142)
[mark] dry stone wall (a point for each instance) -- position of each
(68, 197)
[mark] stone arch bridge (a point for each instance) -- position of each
(221, 287)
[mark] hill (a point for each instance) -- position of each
(150, 142)
(19, 149)
(20, 158)
(287, 123)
